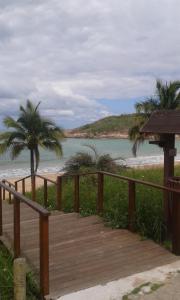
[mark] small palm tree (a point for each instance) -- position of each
(30, 131)
(167, 97)
(83, 161)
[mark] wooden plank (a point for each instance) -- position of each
(82, 252)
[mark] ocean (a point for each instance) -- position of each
(147, 155)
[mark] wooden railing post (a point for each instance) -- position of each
(100, 195)
(44, 254)
(176, 224)
(16, 186)
(23, 187)
(4, 192)
(59, 192)
(33, 184)
(1, 220)
(16, 227)
(45, 193)
(132, 205)
(10, 195)
(76, 193)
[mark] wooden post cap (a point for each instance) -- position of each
(19, 279)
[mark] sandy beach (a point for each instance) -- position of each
(39, 181)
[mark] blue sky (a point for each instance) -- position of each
(85, 62)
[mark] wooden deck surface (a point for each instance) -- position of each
(83, 252)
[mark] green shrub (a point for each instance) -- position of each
(6, 278)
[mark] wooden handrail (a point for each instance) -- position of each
(45, 178)
(37, 207)
(43, 233)
(147, 183)
(23, 178)
(10, 183)
(79, 174)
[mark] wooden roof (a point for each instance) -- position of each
(166, 121)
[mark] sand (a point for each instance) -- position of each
(39, 181)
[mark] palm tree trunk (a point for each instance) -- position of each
(32, 162)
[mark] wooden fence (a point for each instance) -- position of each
(44, 214)
(43, 231)
(175, 193)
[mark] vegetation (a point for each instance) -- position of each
(139, 290)
(167, 97)
(84, 161)
(149, 201)
(30, 131)
(108, 125)
(6, 278)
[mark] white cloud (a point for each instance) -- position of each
(58, 112)
(70, 54)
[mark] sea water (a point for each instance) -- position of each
(146, 155)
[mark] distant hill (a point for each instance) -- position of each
(113, 126)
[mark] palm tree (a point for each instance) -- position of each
(30, 131)
(84, 161)
(167, 97)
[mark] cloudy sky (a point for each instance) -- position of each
(85, 59)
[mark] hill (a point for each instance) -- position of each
(112, 126)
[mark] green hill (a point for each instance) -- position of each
(107, 126)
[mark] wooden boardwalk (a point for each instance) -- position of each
(83, 252)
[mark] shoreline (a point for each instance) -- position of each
(53, 176)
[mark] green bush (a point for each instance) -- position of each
(6, 278)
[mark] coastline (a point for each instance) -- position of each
(110, 135)
(53, 176)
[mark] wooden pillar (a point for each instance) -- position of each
(33, 184)
(100, 196)
(1, 219)
(76, 193)
(10, 200)
(16, 228)
(23, 187)
(19, 270)
(4, 191)
(44, 254)
(59, 192)
(176, 224)
(132, 205)
(45, 193)
(169, 144)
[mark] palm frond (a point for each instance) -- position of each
(9, 122)
(3, 148)
(16, 149)
(138, 141)
(93, 148)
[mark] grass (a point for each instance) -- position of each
(152, 288)
(6, 278)
(149, 204)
